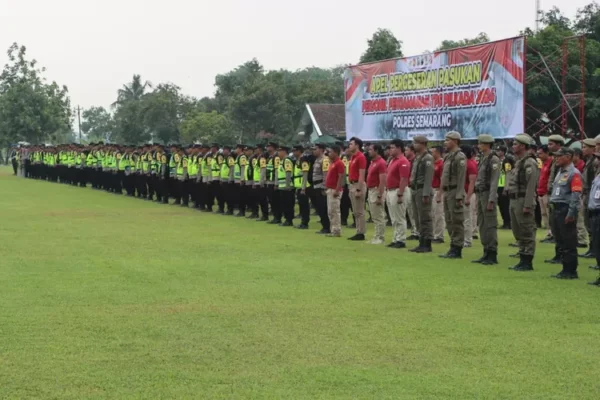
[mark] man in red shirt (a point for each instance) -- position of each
(334, 184)
(542, 189)
(470, 207)
(358, 186)
(437, 209)
(376, 179)
(398, 174)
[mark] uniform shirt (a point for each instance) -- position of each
(594, 200)
(553, 171)
(357, 162)
(454, 173)
(588, 175)
(566, 189)
(421, 174)
(438, 166)
(488, 175)
(542, 189)
(320, 167)
(335, 169)
(524, 179)
(398, 168)
(471, 170)
(377, 167)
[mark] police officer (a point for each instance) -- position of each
(285, 185)
(239, 194)
(272, 192)
(486, 188)
(564, 202)
(421, 190)
(555, 142)
(593, 211)
(507, 163)
(260, 182)
(522, 191)
(588, 147)
(318, 195)
(302, 178)
(453, 190)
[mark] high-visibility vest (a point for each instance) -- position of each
(90, 161)
(145, 161)
(215, 168)
(502, 179)
(226, 167)
(256, 168)
(347, 165)
(173, 161)
(281, 173)
(237, 168)
(193, 166)
(299, 175)
(204, 167)
(180, 164)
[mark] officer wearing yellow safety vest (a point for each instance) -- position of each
(249, 192)
(273, 195)
(285, 185)
(204, 178)
(238, 188)
(213, 176)
(227, 171)
(302, 172)
(260, 182)
(507, 162)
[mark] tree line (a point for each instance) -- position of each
(251, 103)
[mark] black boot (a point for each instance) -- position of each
(482, 259)
(556, 260)
(416, 249)
(516, 267)
(492, 258)
(426, 247)
(449, 254)
(526, 264)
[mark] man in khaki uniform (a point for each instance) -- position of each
(420, 183)
(453, 190)
(486, 187)
(522, 193)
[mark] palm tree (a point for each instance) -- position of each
(133, 91)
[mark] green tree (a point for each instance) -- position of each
(129, 115)
(31, 109)
(98, 124)
(162, 109)
(452, 44)
(206, 127)
(382, 46)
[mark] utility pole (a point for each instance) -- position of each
(79, 122)
(538, 15)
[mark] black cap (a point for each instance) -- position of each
(284, 148)
(215, 145)
(248, 147)
(298, 147)
(260, 146)
(240, 146)
(226, 147)
(272, 144)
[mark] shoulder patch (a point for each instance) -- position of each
(494, 166)
(528, 170)
(462, 163)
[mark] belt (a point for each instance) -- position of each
(593, 212)
(559, 205)
(481, 190)
(451, 187)
(318, 182)
(514, 196)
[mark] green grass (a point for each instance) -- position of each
(110, 297)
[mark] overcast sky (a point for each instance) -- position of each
(94, 46)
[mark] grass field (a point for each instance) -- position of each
(110, 297)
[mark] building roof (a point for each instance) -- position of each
(327, 119)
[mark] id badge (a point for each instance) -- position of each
(557, 191)
(597, 194)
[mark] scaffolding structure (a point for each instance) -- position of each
(567, 117)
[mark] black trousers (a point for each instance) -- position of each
(319, 200)
(228, 194)
(345, 205)
(250, 199)
(304, 206)
(260, 194)
(594, 216)
(504, 207)
(15, 164)
(565, 236)
(287, 200)
(274, 199)
(202, 195)
(241, 193)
